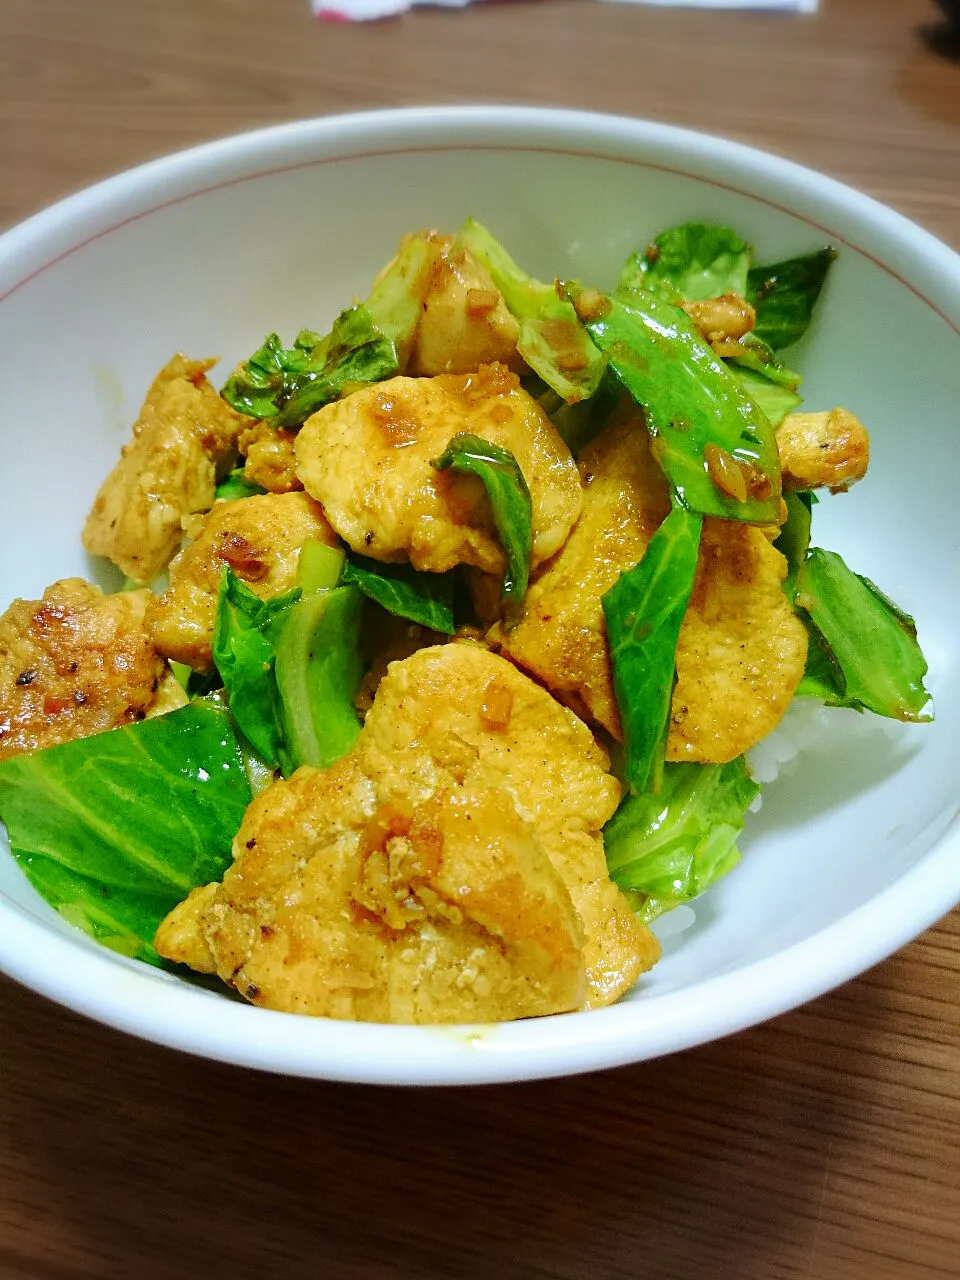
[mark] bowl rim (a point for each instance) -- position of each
(80, 975)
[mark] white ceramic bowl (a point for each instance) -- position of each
(209, 250)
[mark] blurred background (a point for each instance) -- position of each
(865, 89)
(825, 1145)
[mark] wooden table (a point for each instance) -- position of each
(823, 1145)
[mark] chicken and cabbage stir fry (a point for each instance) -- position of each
(445, 636)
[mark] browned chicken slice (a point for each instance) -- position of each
(75, 663)
(465, 703)
(449, 869)
(389, 639)
(180, 936)
(260, 539)
(185, 431)
(551, 765)
(823, 450)
(269, 458)
(468, 707)
(557, 775)
(562, 638)
(741, 651)
(464, 322)
(346, 903)
(366, 459)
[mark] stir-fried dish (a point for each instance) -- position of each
(446, 635)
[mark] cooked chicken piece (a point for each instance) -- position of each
(722, 321)
(562, 638)
(260, 539)
(73, 664)
(180, 935)
(185, 431)
(464, 323)
(449, 869)
(344, 904)
(366, 459)
(741, 650)
(468, 707)
(270, 459)
(388, 639)
(823, 450)
(465, 704)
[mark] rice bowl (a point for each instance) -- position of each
(850, 856)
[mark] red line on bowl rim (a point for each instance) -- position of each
(479, 146)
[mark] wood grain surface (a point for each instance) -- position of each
(824, 1145)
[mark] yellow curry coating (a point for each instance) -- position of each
(562, 639)
(366, 459)
(464, 322)
(465, 703)
(449, 869)
(269, 458)
(184, 433)
(75, 663)
(742, 649)
(823, 450)
(344, 904)
(260, 539)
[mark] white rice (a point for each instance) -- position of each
(808, 725)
